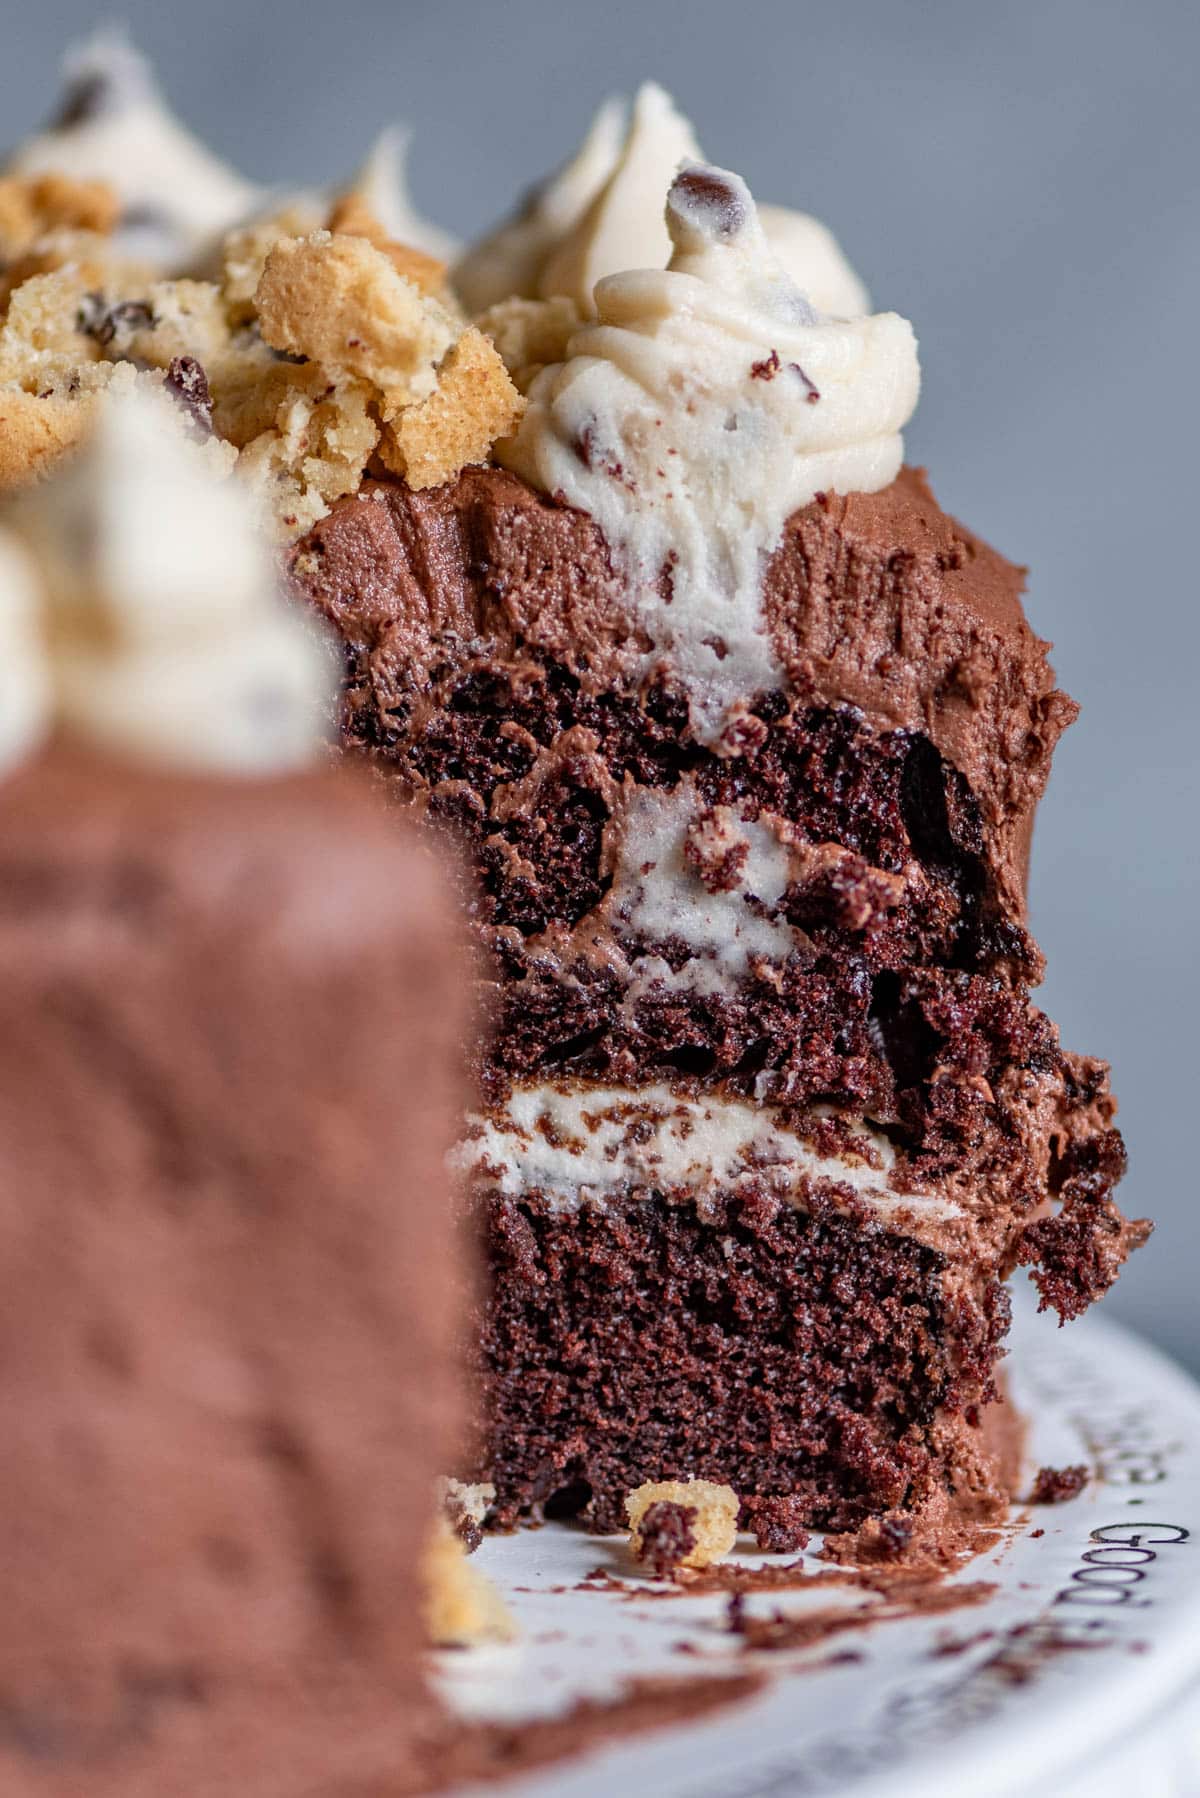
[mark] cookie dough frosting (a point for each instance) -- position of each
(115, 126)
(601, 214)
(707, 404)
(160, 634)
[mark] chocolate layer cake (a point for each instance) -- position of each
(231, 1017)
(743, 737)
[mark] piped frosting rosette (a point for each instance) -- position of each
(706, 404)
(139, 612)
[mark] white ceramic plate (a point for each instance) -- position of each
(1094, 1644)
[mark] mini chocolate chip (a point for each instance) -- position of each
(87, 99)
(709, 200)
(103, 322)
(187, 382)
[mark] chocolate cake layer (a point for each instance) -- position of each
(230, 1028)
(782, 1352)
(690, 1281)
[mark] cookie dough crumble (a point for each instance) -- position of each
(462, 1608)
(676, 1524)
(315, 357)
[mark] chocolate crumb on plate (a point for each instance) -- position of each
(778, 1524)
(1058, 1485)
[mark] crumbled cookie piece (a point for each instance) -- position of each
(48, 383)
(35, 431)
(338, 301)
(1057, 1485)
(44, 335)
(530, 333)
(778, 1524)
(50, 222)
(352, 217)
(473, 404)
(176, 318)
(62, 346)
(312, 448)
(462, 1607)
(244, 253)
(466, 1508)
(33, 206)
(712, 1524)
(304, 359)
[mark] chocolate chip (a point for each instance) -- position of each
(96, 318)
(813, 393)
(89, 98)
(188, 384)
(895, 1534)
(711, 201)
(767, 369)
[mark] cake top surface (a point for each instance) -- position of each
(123, 240)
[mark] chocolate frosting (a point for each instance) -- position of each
(886, 602)
(880, 601)
(230, 1016)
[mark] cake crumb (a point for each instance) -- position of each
(666, 1537)
(1056, 1485)
(717, 849)
(462, 1608)
(778, 1524)
(662, 1513)
(530, 334)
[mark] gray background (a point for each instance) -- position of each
(1018, 179)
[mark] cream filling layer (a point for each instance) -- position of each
(584, 1145)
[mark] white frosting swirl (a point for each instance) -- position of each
(623, 226)
(382, 185)
(162, 636)
(601, 214)
(706, 405)
(177, 198)
(508, 262)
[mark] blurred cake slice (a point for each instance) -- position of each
(231, 1014)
